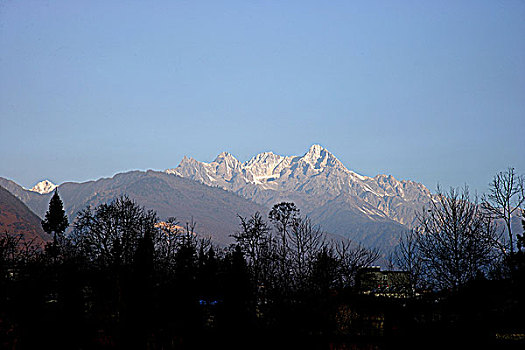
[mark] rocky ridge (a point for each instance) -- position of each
(312, 181)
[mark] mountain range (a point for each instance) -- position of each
(370, 210)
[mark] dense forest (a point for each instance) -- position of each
(123, 278)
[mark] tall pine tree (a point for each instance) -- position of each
(55, 222)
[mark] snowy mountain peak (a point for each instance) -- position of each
(224, 155)
(316, 149)
(228, 159)
(319, 158)
(186, 159)
(265, 166)
(265, 159)
(44, 187)
(262, 157)
(311, 180)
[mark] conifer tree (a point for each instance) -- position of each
(55, 222)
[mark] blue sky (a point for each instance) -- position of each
(428, 91)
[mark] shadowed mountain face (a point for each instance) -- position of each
(214, 209)
(16, 218)
(372, 210)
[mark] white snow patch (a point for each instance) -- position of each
(44, 187)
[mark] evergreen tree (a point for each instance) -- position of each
(55, 222)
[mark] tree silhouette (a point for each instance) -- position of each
(253, 239)
(324, 271)
(55, 222)
(521, 238)
(306, 240)
(351, 258)
(455, 239)
(506, 195)
(408, 257)
(126, 280)
(110, 233)
(284, 216)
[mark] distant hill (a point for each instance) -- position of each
(17, 218)
(215, 210)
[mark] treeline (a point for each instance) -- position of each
(125, 279)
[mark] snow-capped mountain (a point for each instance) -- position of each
(269, 170)
(44, 187)
(370, 210)
(312, 181)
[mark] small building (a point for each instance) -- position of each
(390, 284)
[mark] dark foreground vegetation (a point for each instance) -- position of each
(124, 279)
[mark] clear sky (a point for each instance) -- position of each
(432, 91)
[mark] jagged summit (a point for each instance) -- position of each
(315, 149)
(261, 169)
(320, 158)
(43, 187)
(226, 156)
(311, 180)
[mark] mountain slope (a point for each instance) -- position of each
(352, 217)
(17, 218)
(214, 209)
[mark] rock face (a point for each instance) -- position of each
(318, 177)
(342, 201)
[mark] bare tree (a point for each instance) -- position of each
(306, 241)
(408, 258)
(506, 195)
(110, 233)
(353, 257)
(168, 241)
(254, 241)
(190, 233)
(9, 252)
(284, 216)
(454, 239)
(325, 270)
(15, 251)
